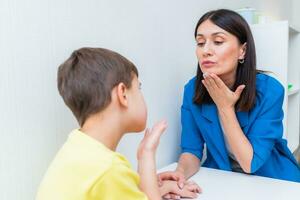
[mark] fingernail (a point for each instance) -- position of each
(181, 185)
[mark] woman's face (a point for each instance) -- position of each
(218, 51)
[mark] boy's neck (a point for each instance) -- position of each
(105, 129)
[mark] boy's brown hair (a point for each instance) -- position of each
(85, 80)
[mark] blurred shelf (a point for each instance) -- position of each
(293, 91)
(294, 28)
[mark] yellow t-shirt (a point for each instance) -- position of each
(84, 169)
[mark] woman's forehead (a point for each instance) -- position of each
(208, 28)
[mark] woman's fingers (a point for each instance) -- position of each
(218, 81)
(169, 175)
(193, 187)
(210, 82)
(205, 85)
(189, 194)
(171, 196)
(239, 90)
(174, 176)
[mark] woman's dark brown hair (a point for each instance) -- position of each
(233, 23)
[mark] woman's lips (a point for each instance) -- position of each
(208, 63)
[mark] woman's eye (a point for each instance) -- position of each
(200, 44)
(218, 42)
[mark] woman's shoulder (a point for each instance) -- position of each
(189, 90)
(190, 85)
(266, 84)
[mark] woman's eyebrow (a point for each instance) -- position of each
(216, 33)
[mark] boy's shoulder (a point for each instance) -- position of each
(87, 150)
(84, 163)
(82, 153)
(93, 155)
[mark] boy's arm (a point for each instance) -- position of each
(146, 161)
(147, 172)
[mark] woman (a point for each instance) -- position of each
(232, 108)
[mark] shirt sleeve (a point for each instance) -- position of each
(267, 127)
(191, 139)
(119, 182)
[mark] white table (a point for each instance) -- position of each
(223, 185)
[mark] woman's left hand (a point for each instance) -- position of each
(220, 93)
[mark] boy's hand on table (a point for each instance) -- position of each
(170, 190)
(173, 176)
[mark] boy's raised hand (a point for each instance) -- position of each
(146, 160)
(151, 138)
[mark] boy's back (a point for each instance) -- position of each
(86, 169)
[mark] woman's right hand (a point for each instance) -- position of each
(172, 175)
(170, 190)
(179, 177)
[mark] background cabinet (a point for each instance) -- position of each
(277, 47)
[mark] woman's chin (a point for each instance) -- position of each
(210, 71)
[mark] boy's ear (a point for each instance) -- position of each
(122, 94)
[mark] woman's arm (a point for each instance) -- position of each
(238, 142)
(188, 165)
(225, 101)
(192, 144)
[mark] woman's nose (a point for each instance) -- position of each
(207, 49)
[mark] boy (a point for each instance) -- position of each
(102, 90)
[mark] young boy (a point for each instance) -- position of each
(102, 90)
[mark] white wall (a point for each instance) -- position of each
(295, 14)
(274, 9)
(37, 35)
